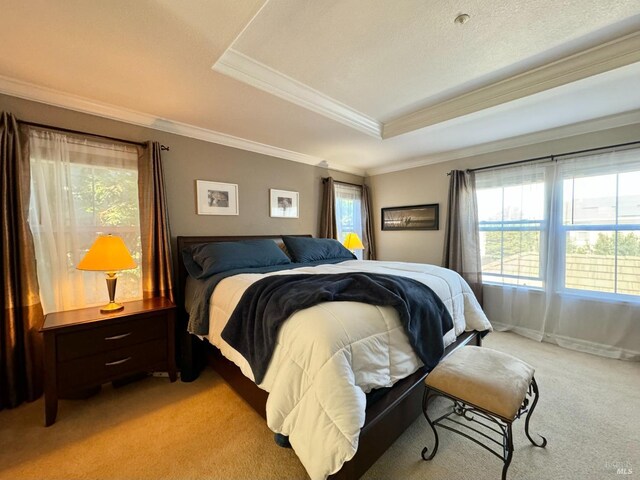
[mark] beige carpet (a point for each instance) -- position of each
(152, 429)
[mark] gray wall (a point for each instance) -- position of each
(255, 174)
(189, 160)
(430, 184)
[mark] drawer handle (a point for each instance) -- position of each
(118, 337)
(117, 362)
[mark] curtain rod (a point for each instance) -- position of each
(79, 132)
(550, 157)
(343, 183)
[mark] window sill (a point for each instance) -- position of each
(513, 286)
(587, 296)
(599, 297)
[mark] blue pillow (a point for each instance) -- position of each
(204, 260)
(305, 249)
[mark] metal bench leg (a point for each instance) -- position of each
(425, 405)
(508, 450)
(500, 426)
(536, 394)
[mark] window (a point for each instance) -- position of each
(511, 220)
(81, 188)
(601, 231)
(348, 211)
(578, 218)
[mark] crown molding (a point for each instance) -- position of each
(588, 126)
(28, 91)
(247, 70)
(602, 58)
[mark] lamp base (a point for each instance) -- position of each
(111, 307)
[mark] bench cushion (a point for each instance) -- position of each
(485, 378)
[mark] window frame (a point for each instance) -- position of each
(360, 254)
(564, 228)
(553, 221)
(522, 225)
(83, 152)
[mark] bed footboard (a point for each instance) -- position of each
(385, 420)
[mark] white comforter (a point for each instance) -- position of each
(328, 356)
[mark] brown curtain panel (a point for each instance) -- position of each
(157, 275)
(462, 237)
(328, 226)
(21, 367)
(367, 225)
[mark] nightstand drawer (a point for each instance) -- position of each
(107, 366)
(109, 337)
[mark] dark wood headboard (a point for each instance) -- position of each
(189, 348)
(184, 242)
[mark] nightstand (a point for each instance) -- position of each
(85, 348)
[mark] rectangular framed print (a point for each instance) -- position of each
(284, 204)
(216, 198)
(414, 217)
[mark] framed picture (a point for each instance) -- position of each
(216, 198)
(284, 203)
(415, 217)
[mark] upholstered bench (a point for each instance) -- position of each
(489, 390)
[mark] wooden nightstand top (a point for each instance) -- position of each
(92, 314)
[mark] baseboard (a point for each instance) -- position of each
(577, 344)
(522, 331)
(594, 348)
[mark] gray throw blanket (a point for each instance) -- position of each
(253, 327)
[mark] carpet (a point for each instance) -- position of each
(153, 429)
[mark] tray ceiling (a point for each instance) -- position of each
(366, 85)
(386, 59)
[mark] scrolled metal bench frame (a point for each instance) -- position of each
(495, 423)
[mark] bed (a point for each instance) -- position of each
(393, 410)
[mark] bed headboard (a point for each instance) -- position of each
(189, 241)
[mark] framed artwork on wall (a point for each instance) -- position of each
(216, 198)
(284, 204)
(414, 217)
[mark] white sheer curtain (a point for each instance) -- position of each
(81, 188)
(349, 212)
(561, 251)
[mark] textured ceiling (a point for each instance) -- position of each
(153, 60)
(385, 58)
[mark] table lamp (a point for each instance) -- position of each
(352, 242)
(108, 254)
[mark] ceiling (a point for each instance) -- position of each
(366, 86)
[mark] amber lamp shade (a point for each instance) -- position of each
(352, 242)
(108, 254)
